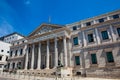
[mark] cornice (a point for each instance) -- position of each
(101, 46)
(109, 22)
(52, 32)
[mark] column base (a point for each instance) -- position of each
(64, 72)
(38, 69)
(25, 69)
(47, 68)
(54, 68)
(31, 69)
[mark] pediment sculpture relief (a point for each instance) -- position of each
(45, 29)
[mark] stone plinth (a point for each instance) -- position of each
(64, 72)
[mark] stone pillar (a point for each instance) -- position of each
(97, 36)
(87, 59)
(10, 68)
(116, 53)
(16, 65)
(56, 53)
(39, 56)
(108, 17)
(48, 55)
(84, 39)
(65, 51)
(80, 39)
(70, 60)
(109, 34)
(94, 22)
(32, 62)
(26, 59)
(112, 33)
(101, 58)
(82, 62)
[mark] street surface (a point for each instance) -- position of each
(6, 79)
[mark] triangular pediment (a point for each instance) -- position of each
(44, 28)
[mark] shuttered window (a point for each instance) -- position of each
(93, 59)
(77, 60)
(109, 57)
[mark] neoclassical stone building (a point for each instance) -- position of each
(89, 47)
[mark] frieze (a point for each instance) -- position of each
(62, 33)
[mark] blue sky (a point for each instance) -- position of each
(23, 16)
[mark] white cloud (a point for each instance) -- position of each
(5, 28)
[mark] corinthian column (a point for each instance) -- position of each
(65, 51)
(32, 62)
(39, 56)
(26, 59)
(48, 55)
(56, 53)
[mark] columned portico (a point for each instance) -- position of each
(39, 55)
(45, 52)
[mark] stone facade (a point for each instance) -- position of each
(87, 48)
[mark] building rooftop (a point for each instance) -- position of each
(2, 38)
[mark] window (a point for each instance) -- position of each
(17, 42)
(7, 51)
(118, 30)
(19, 65)
(75, 40)
(79, 26)
(21, 51)
(88, 23)
(2, 50)
(93, 59)
(8, 65)
(104, 35)
(29, 50)
(74, 28)
(109, 57)
(101, 20)
(77, 60)
(16, 53)
(13, 65)
(11, 53)
(115, 16)
(6, 58)
(22, 41)
(90, 38)
(0, 57)
(0, 65)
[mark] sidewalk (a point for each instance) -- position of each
(8, 76)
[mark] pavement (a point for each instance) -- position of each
(1, 78)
